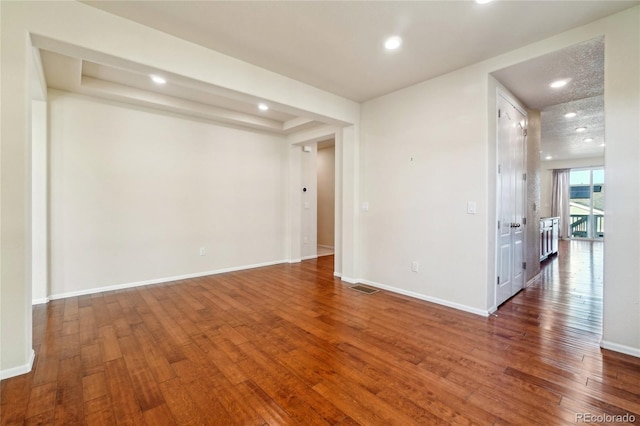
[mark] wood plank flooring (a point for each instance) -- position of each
(290, 344)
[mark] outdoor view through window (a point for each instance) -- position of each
(586, 203)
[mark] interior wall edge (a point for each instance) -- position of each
(19, 370)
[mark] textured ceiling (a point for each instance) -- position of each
(583, 64)
(559, 137)
(337, 45)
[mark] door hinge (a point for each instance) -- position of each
(498, 224)
(524, 265)
(499, 113)
(498, 280)
(524, 220)
(524, 131)
(524, 176)
(499, 168)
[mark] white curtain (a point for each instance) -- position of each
(560, 200)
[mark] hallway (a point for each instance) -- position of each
(568, 295)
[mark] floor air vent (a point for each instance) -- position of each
(363, 289)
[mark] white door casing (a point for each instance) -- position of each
(511, 199)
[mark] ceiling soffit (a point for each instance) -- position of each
(180, 95)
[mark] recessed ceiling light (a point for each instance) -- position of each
(263, 107)
(392, 43)
(601, 144)
(157, 79)
(570, 114)
(548, 157)
(483, 1)
(559, 83)
(581, 129)
(588, 139)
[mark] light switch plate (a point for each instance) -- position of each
(471, 207)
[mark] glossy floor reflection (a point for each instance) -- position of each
(292, 344)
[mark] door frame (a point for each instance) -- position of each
(295, 239)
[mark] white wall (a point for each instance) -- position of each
(135, 194)
(534, 131)
(76, 24)
(88, 31)
(309, 200)
(427, 149)
(39, 202)
(326, 195)
(423, 157)
(546, 177)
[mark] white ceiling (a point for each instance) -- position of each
(337, 46)
(181, 95)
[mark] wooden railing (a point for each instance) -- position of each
(579, 225)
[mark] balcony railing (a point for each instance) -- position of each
(579, 226)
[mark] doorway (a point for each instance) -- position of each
(563, 92)
(326, 197)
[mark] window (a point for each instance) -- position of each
(586, 204)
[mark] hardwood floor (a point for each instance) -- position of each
(290, 344)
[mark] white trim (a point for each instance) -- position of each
(40, 301)
(350, 280)
(161, 280)
(325, 247)
(313, 256)
(533, 280)
(298, 260)
(436, 300)
(337, 274)
(628, 350)
(17, 371)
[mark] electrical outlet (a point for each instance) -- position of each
(471, 207)
(415, 266)
(203, 251)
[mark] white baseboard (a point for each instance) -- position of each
(313, 256)
(325, 247)
(337, 274)
(40, 301)
(628, 350)
(17, 371)
(350, 280)
(436, 300)
(533, 280)
(161, 280)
